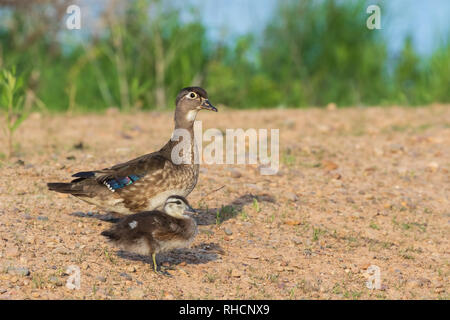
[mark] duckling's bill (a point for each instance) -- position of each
(189, 209)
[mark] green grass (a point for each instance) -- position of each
(37, 280)
(273, 277)
(108, 256)
(256, 205)
(317, 232)
(288, 159)
(243, 215)
(224, 213)
(373, 225)
(13, 106)
(210, 277)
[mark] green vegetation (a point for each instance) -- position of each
(12, 105)
(373, 225)
(256, 205)
(311, 53)
(225, 212)
(317, 232)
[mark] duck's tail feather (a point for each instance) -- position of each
(84, 174)
(71, 188)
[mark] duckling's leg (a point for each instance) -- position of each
(155, 266)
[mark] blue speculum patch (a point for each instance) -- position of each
(121, 182)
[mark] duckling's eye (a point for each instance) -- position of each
(177, 202)
(192, 95)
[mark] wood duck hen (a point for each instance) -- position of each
(144, 183)
(151, 232)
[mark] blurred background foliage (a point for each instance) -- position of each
(141, 52)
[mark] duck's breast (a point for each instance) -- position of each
(177, 180)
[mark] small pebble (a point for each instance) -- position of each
(12, 252)
(291, 196)
(168, 296)
(235, 173)
(55, 280)
(253, 186)
(126, 276)
(136, 293)
(22, 271)
(236, 273)
(433, 166)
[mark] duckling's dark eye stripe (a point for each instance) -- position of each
(114, 184)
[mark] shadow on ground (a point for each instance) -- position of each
(211, 216)
(199, 254)
(107, 217)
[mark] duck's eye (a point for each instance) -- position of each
(192, 95)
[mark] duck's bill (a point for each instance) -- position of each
(208, 106)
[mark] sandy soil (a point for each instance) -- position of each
(357, 187)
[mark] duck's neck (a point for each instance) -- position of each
(184, 118)
(180, 133)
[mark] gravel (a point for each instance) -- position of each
(393, 223)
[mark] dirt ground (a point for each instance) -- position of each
(357, 187)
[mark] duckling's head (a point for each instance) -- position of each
(177, 206)
(189, 102)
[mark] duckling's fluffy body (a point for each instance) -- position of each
(152, 232)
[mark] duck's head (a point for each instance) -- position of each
(189, 102)
(177, 206)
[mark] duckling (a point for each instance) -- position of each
(151, 232)
(144, 183)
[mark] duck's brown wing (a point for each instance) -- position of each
(124, 174)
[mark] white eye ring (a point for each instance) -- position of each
(192, 95)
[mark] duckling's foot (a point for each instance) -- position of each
(166, 272)
(162, 270)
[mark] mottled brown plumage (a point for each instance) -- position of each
(151, 232)
(144, 183)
